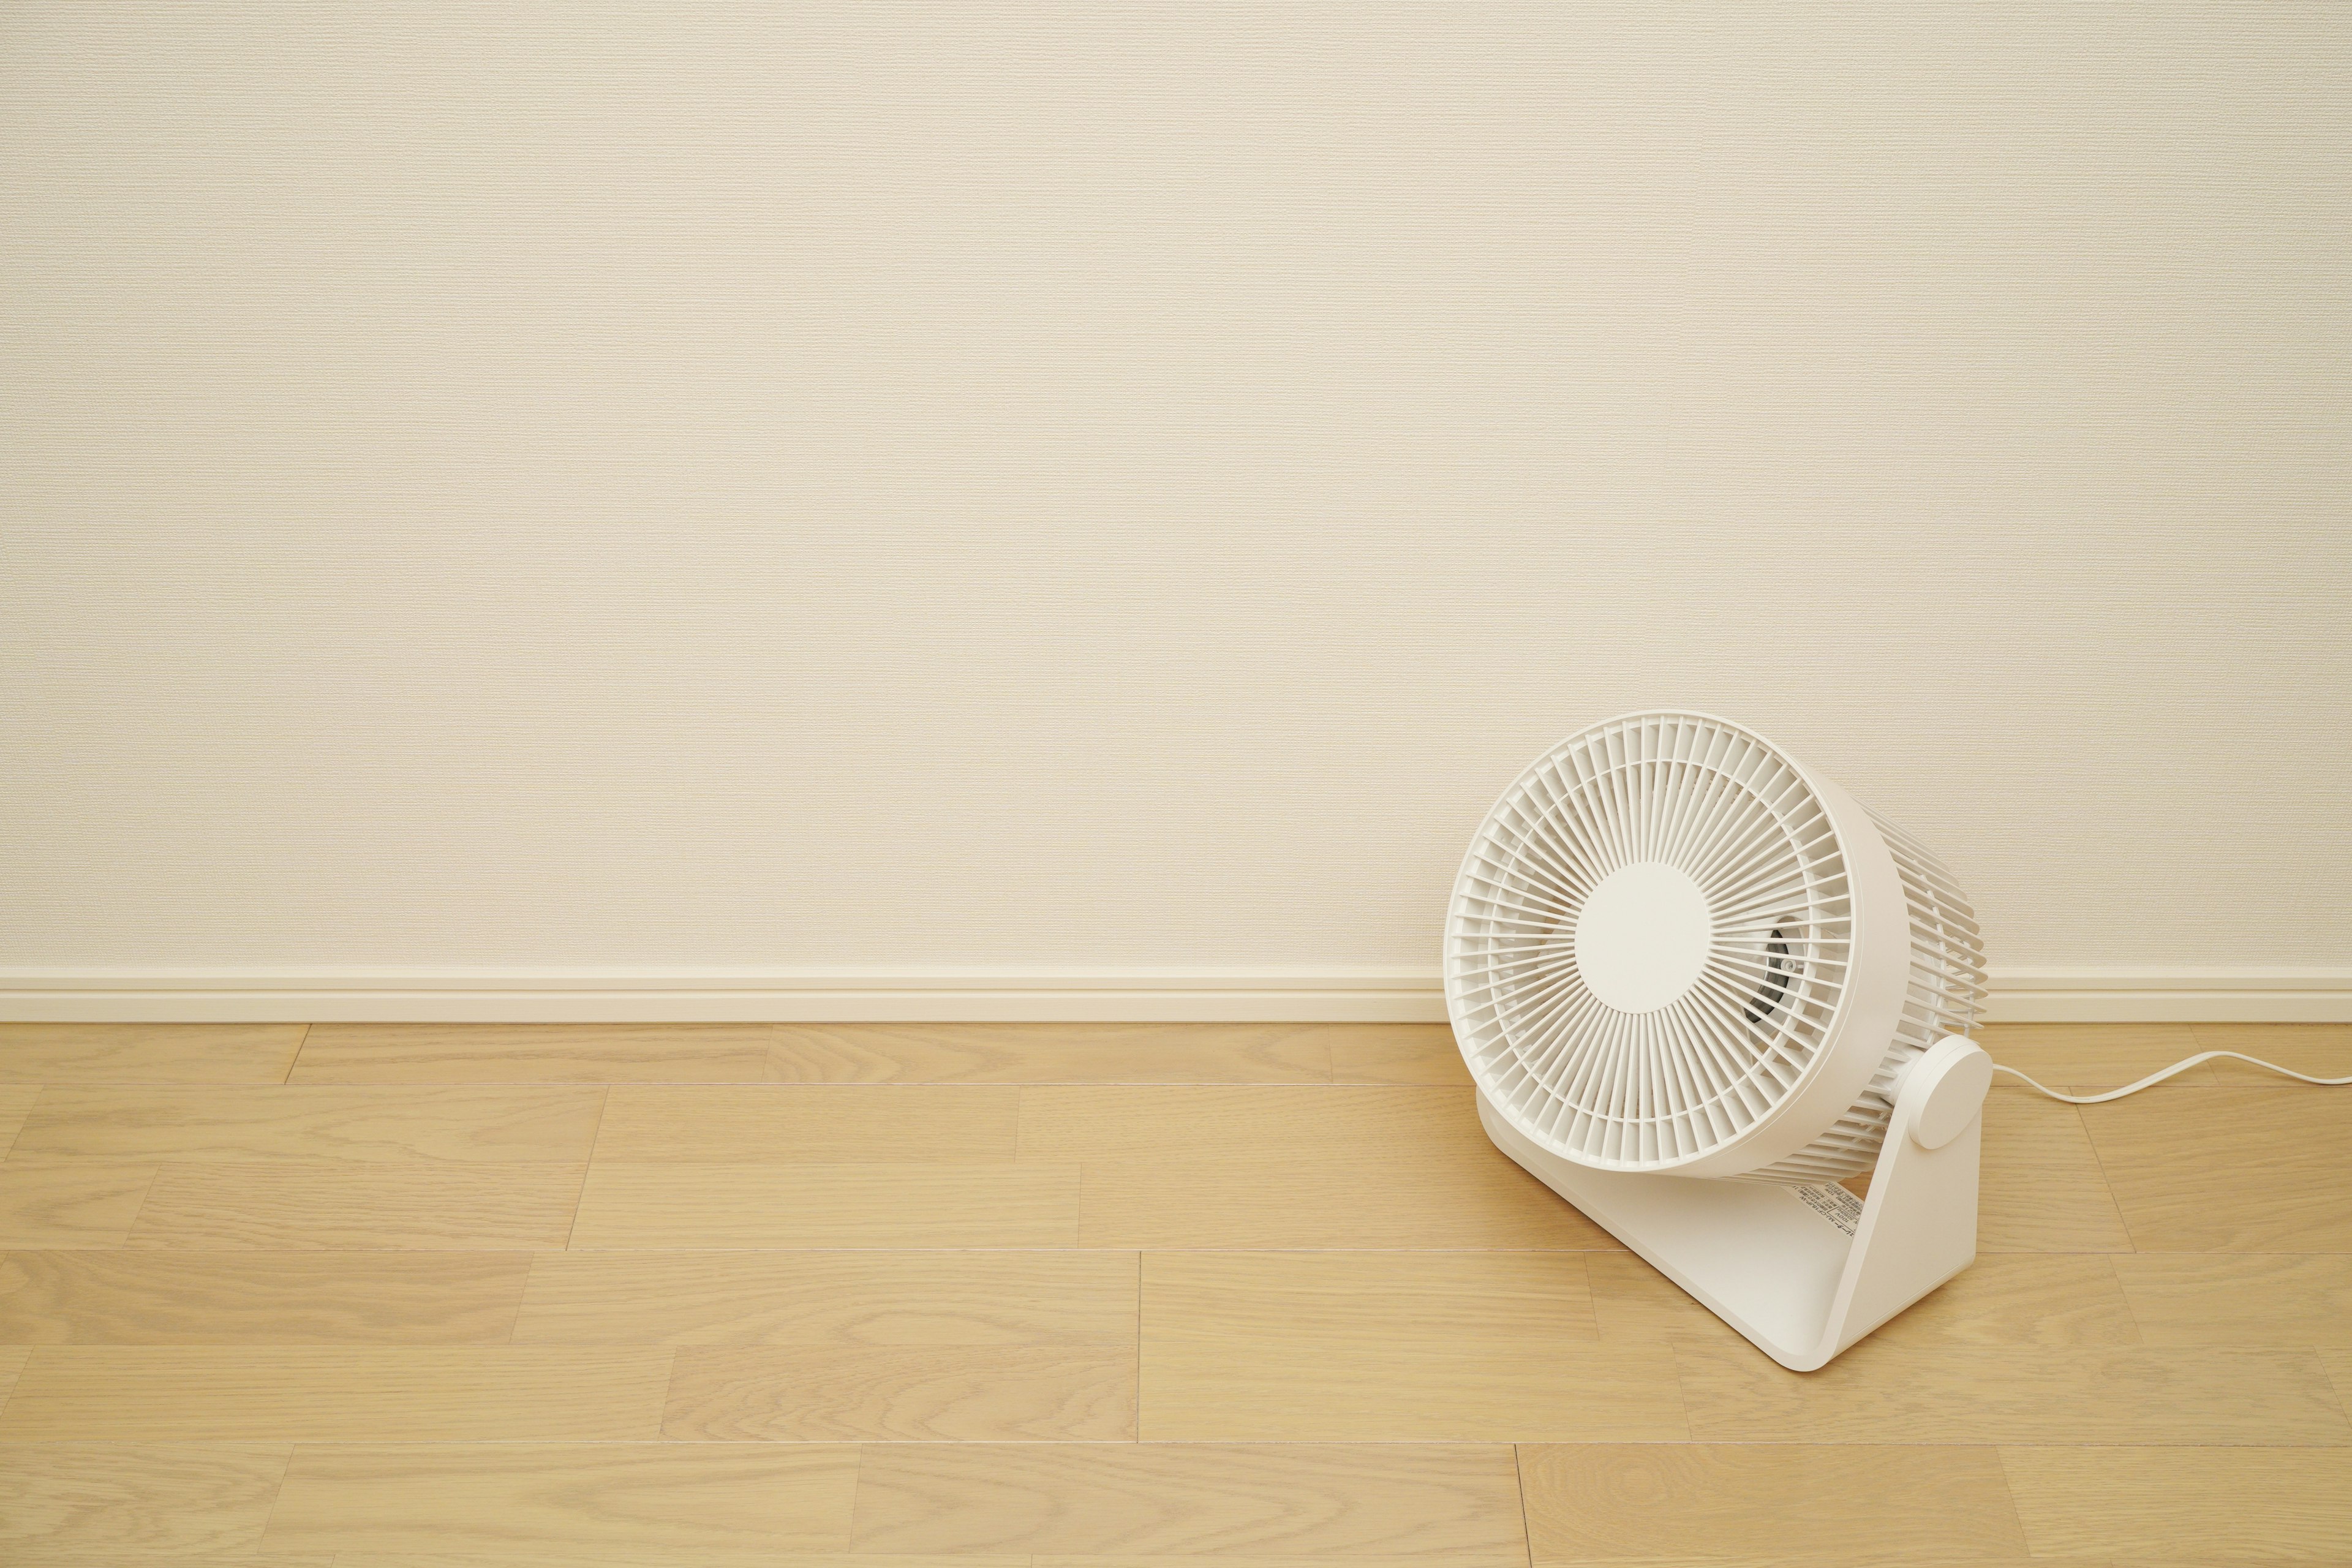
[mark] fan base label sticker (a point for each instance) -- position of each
(1833, 1204)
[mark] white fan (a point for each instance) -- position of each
(1698, 986)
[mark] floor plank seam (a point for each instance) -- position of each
(2106, 1181)
(300, 1042)
(1519, 1482)
(587, 1167)
(275, 1492)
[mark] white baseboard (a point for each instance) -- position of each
(1402, 994)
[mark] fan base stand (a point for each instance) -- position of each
(1781, 1269)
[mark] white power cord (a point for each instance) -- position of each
(2159, 1077)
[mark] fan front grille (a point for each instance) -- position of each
(1636, 1090)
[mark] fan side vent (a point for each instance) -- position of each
(1945, 993)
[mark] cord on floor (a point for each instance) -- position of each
(2156, 1077)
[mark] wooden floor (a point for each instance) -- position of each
(897, 1295)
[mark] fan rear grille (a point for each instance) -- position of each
(1638, 1090)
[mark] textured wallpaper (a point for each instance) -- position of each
(933, 485)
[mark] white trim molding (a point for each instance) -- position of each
(1393, 993)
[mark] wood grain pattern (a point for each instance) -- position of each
(2185, 1505)
(70, 1203)
(2239, 1298)
(1421, 1054)
(1032, 1203)
(336, 1205)
(815, 1124)
(1883, 1392)
(1364, 1197)
(226, 1299)
(2321, 1050)
(15, 1104)
(48, 1557)
(117, 1501)
(1495, 1346)
(2042, 1188)
(1651, 1503)
(397, 1124)
(513, 1502)
(1476, 1559)
(1632, 1302)
(536, 1053)
(815, 1299)
(946, 1249)
(2022, 1298)
(2085, 1058)
(1198, 1500)
(1291, 1167)
(984, 1393)
(594, 1556)
(148, 1053)
(1054, 1053)
(322, 1393)
(2236, 1170)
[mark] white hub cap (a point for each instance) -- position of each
(1642, 936)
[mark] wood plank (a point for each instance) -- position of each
(373, 1124)
(812, 1124)
(1362, 1197)
(2239, 1298)
(914, 1298)
(2339, 1372)
(148, 1053)
(1634, 1304)
(986, 1394)
(1190, 1560)
(336, 1394)
(1126, 1560)
(15, 1104)
(1198, 1500)
(1421, 1054)
(1032, 1203)
(2321, 1050)
(536, 1053)
(513, 1502)
(2052, 1299)
(1390, 1346)
(2041, 1187)
(121, 1500)
(70, 1203)
(2022, 1298)
(2185, 1505)
(2229, 1170)
(2087, 1058)
(345, 1205)
(1650, 1503)
(1273, 1167)
(48, 1556)
(276, 1298)
(1054, 1053)
(11, 1362)
(1881, 1392)
(703, 1557)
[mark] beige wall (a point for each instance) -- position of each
(657, 485)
